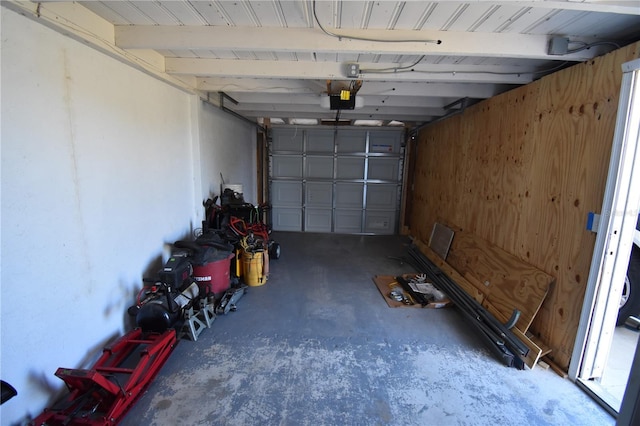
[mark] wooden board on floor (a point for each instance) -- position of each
(555, 367)
(386, 283)
(507, 282)
(536, 349)
(535, 352)
(473, 287)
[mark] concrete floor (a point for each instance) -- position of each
(318, 345)
(616, 373)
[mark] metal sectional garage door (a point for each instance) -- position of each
(345, 181)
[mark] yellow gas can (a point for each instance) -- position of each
(255, 269)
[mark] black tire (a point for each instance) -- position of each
(274, 251)
(630, 302)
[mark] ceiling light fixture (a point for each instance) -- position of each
(370, 123)
(303, 121)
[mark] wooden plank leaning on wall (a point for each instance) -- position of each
(499, 281)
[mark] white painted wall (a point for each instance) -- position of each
(228, 147)
(100, 169)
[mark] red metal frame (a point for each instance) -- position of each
(104, 393)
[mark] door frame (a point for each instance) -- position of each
(613, 243)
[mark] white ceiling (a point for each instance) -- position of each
(273, 58)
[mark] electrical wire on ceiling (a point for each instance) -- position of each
(354, 86)
(353, 37)
(409, 68)
(548, 70)
(590, 45)
(392, 70)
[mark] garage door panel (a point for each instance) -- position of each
(380, 222)
(317, 220)
(320, 141)
(348, 221)
(350, 168)
(319, 167)
(286, 219)
(287, 140)
(382, 196)
(349, 195)
(319, 194)
(351, 141)
(287, 194)
(344, 180)
(384, 142)
(383, 169)
(286, 166)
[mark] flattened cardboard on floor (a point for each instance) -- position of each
(387, 283)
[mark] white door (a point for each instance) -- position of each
(613, 243)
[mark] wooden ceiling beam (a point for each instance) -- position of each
(457, 73)
(270, 39)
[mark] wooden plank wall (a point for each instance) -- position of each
(522, 170)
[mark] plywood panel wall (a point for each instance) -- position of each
(522, 170)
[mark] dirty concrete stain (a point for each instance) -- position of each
(550, 407)
(307, 383)
(163, 404)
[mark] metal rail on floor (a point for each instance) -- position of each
(500, 340)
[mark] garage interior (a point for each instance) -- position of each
(494, 119)
(317, 344)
